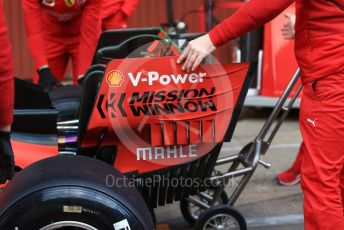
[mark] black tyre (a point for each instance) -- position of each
(72, 192)
(66, 100)
(192, 211)
(221, 217)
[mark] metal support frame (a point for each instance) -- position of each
(249, 156)
(170, 13)
(209, 8)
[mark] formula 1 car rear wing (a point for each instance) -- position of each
(158, 115)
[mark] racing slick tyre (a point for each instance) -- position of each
(221, 217)
(66, 100)
(191, 211)
(72, 192)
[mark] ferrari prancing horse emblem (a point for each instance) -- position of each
(70, 3)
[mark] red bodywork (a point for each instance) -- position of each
(26, 154)
(160, 116)
(155, 125)
(279, 62)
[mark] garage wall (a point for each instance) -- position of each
(16, 29)
(149, 13)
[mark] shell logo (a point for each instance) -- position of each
(70, 3)
(115, 78)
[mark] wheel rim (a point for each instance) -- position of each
(222, 222)
(68, 225)
(196, 210)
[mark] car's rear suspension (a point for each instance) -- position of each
(67, 136)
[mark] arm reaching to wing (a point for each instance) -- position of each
(248, 17)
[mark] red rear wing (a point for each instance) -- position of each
(160, 116)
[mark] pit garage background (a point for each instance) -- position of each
(149, 13)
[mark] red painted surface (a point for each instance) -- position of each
(279, 63)
(26, 154)
(6, 74)
(134, 106)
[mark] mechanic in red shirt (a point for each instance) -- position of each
(58, 30)
(319, 49)
(115, 13)
(6, 102)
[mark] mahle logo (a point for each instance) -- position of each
(115, 78)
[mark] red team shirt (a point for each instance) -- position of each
(62, 20)
(71, 19)
(59, 20)
(6, 74)
(111, 18)
(319, 42)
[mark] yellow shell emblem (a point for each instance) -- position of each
(70, 3)
(114, 78)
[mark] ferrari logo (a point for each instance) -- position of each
(50, 3)
(115, 78)
(70, 3)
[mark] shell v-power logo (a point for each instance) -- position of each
(115, 78)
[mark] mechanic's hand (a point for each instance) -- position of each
(194, 53)
(6, 158)
(47, 80)
(288, 30)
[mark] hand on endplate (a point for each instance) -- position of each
(194, 53)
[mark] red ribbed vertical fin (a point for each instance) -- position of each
(218, 127)
(207, 131)
(168, 130)
(182, 133)
(195, 129)
(156, 135)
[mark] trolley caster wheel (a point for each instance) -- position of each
(221, 217)
(191, 211)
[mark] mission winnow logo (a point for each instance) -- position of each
(147, 103)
